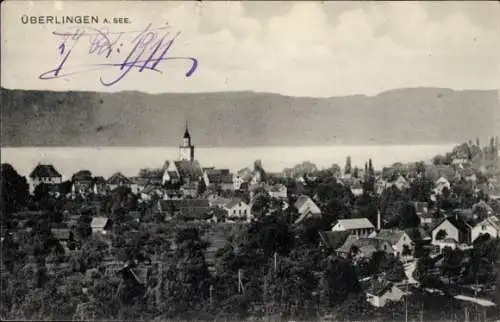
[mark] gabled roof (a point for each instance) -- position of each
(391, 235)
(99, 222)
(233, 202)
(82, 175)
(333, 239)
(356, 223)
(456, 221)
(118, 178)
(45, 171)
(365, 245)
(219, 176)
(99, 180)
(301, 201)
(189, 169)
(417, 234)
(493, 221)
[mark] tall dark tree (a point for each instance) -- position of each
(408, 217)
(348, 166)
(15, 189)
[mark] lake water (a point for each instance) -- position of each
(105, 161)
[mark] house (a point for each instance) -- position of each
(277, 191)
(118, 180)
(100, 225)
(401, 242)
(82, 182)
(380, 292)
(44, 173)
(454, 227)
(440, 184)
(360, 227)
(221, 178)
(237, 208)
(362, 248)
(489, 226)
(306, 208)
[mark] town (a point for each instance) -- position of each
(418, 241)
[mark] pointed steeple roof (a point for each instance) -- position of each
(186, 132)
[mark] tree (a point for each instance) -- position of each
(14, 191)
(408, 217)
(355, 172)
(348, 166)
(406, 250)
(339, 281)
(441, 234)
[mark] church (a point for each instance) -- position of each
(186, 171)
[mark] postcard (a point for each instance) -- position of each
(250, 160)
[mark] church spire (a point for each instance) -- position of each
(186, 132)
(186, 150)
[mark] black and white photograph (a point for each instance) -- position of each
(250, 161)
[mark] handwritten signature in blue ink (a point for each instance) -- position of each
(147, 50)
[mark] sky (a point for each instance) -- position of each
(317, 49)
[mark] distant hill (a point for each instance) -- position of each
(403, 116)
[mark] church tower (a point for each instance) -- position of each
(186, 150)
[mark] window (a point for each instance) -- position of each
(234, 212)
(240, 211)
(483, 227)
(245, 212)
